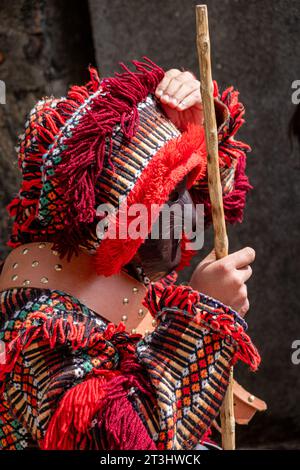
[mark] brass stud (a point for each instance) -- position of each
(133, 331)
(147, 332)
(25, 251)
(141, 313)
(15, 265)
(251, 398)
(58, 267)
(125, 300)
(26, 282)
(55, 253)
(14, 278)
(42, 245)
(44, 280)
(135, 290)
(34, 264)
(124, 318)
(154, 322)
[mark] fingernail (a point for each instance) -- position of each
(182, 105)
(174, 101)
(166, 98)
(159, 92)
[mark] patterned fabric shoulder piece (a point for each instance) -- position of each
(71, 380)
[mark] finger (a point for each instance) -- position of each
(176, 92)
(166, 80)
(192, 99)
(245, 273)
(173, 86)
(241, 258)
(211, 256)
(177, 81)
(186, 88)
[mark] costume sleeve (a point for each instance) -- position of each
(188, 359)
(67, 379)
(232, 159)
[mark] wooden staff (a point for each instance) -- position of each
(215, 190)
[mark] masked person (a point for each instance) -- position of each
(103, 349)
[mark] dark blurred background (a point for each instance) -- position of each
(47, 45)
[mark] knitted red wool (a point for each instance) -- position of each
(104, 400)
(69, 427)
(220, 321)
(54, 331)
(115, 103)
(86, 149)
(120, 427)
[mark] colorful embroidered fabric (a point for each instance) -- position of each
(188, 358)
(71, 380)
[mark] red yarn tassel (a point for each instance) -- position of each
(55, 331)
(121, 428)
(186, 255)
(69, 427)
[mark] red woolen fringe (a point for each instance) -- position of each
(70, 425)
(119, 425)
(83, 159)
(92, 138)
(231, 152)
(45, 124)
(220, 321)
(234, 202)
(179, 157)
(186, 255)
(103, 399)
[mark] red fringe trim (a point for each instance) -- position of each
(234, 202)
(71, 424)
(186, 255)
(179, 157)
(69, 427)
(56, 331)
(91, 140)
(220, 320)
(45, 124)
(231, 152)
(84, 157)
